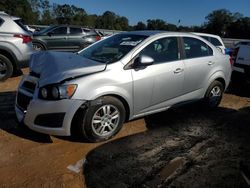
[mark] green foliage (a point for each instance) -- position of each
(221, 22)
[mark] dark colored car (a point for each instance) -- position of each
(64, 38)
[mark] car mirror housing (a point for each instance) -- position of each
(143, 60)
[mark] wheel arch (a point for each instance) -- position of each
(11, 57)
(78, 114)
(40, 42)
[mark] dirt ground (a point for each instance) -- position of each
(184, 147)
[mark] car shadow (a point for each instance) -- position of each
(8, 121)
(201, 140)
(241, 89)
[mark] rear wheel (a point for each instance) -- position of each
(6, 68)
(213, 95)
(103, 119)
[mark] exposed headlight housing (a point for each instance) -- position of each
(57, 92)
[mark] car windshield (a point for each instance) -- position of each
(113, 48)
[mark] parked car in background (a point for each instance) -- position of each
(30, 29)
(125, 76)
(15, 45)
(241, 66)
(64, 38)
(215, 40)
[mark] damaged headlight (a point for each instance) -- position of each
(57, 92)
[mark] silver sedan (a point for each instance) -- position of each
(125, 76)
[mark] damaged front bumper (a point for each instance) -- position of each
(49, 117)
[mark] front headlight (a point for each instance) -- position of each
(57, 92)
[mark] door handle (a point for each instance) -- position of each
(178, 70)
(211, 63)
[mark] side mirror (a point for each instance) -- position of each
(143, 60)
(49, 34)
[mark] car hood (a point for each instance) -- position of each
(55, 67)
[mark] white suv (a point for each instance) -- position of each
(215, 40)
(15, 45)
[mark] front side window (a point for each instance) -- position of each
(113, 48)
(196, 48)
(59, 31)
(162, 50)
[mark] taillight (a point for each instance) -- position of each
(231, 61)
(26, 39)
(98, 37)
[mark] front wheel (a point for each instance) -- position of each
(213, 95)
(103, 119)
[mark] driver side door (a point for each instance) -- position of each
(157, 86)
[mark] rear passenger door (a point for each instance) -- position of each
(199, 62)
(75, 38)
(57, 38)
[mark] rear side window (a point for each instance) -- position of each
(59, 31)
(196, 48)
(1, 22)
(163, 50)
(215, 41)
(75, 30)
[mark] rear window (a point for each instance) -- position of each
(20, 24)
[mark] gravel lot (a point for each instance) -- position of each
(184, 147)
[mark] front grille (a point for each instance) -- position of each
(23, 100)
(30, 86)
(50, 120)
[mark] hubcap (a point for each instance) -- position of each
(215, 95)
(105, 120)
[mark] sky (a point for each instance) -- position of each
(189, 12)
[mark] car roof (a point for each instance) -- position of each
(4, 14)
(207, 34)
(157, 32)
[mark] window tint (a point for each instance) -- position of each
(215, 41)
(60, 31)
(196, 48)
(75, 30)
(162, 50)
(1, 22)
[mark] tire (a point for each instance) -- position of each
(214, 94)
(38, 46)
(103, 119)
(6, 68)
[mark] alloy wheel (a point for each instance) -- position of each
(105, 120)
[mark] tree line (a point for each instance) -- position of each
(221, 22)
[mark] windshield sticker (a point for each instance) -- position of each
(130, 43)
